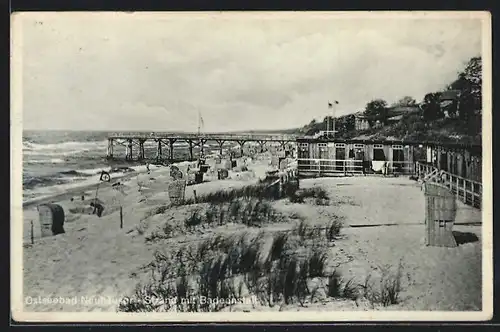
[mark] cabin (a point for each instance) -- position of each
(319, 156)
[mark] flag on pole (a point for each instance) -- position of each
(105, 176)
(330, 105)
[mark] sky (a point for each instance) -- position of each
(156, 72)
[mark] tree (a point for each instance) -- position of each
(345, 124)
(469, 83)
(406, 101)
(350, 122)
(431, 106)
(376, 110)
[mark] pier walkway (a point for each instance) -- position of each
(192, 139)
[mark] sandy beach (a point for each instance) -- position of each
(96, 259)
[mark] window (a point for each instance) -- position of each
(397, 147)
(303, 146)
(322, 146)
(359, 146)
(339, 145)
(378, 152)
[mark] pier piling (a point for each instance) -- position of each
(158, 151)
(141, 149)
(109, 153)
(171, 146)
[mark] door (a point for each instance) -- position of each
(443, 162)
(340, 156)
(398, 158)
(359, 157)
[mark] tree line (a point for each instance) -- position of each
(467, 88)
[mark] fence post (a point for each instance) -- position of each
(457, 187)
(121, 217)
(280, 187)
(32, 235)
(465, 191)
(345, 167)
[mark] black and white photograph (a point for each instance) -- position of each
(251, 166)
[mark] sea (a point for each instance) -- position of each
(54, 161)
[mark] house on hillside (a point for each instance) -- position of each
(361, 121)
(394, 115)
(448, 100)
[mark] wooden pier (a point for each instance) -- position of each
(129, 140)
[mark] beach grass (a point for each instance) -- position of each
(276, 268)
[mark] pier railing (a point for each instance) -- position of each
(205, 136)
(468, 191)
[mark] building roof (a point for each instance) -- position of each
(392, 112)
(399, 110)
(396, 118)
(450, 95)
(389, 142)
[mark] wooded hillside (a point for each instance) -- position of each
(451, 115)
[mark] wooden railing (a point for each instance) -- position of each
(325, 166)
(206, 136)
(468, 191)
(350, 167)
(401, 167)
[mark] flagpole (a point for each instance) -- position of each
(199, 116)
(333, 118)
(327, 120)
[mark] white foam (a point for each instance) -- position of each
(62, 149)
(46, 161)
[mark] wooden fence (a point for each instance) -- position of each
(468, 191)
(326, 167)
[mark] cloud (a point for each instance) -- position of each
(155, 73)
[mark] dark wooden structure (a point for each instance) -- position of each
(327, 156)
(440, 212)
(464, 160)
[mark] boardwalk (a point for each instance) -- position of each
(192, 139)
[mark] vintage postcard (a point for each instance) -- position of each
(251, 166)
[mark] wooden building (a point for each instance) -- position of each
(328, 157)
(319, 156)
(463, 160)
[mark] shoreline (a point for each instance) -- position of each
(73, 191)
